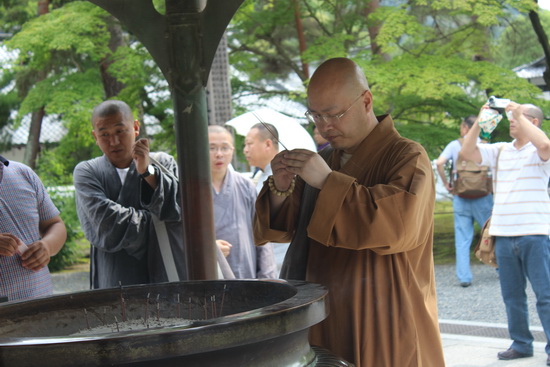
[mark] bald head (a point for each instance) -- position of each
(339, 74)
(534, 112)
(340, 104)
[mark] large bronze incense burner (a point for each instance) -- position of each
(196, 323)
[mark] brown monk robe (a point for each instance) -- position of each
(368, 240)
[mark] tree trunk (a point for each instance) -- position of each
(33, 141)
(373, 29)
(301, 38)
(110, 84)
(43, 7)
(543, 40)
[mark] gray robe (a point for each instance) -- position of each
(233, 214)
(117, 220)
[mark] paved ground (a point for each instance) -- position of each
(472, 320)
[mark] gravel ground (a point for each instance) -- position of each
(479, 302)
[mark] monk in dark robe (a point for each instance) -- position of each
(360, 218)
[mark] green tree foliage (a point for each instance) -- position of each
(517, 44)
(435, 67)
(69, 254)
(8, 101)
(432, 75)
(13, 13)
(66, 47)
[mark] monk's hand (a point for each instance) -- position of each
(281, 176)
(36, 256)
(310, 166)
(8, 244)
(224, 246)
(140, 153)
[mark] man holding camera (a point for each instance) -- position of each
(520, 219)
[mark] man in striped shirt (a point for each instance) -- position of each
(520, 220)
(31, 231)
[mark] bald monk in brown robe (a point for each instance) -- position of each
(360, 217)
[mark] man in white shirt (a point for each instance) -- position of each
(260, 146)
(520, 220)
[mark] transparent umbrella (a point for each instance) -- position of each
(291, 134)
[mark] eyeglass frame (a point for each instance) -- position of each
(326, 117)
(224, 149)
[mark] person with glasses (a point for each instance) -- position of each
(321, 142)
(31, 232)
(359, 215)
(234, 196)
(520, 220)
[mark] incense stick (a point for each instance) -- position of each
(270, 131)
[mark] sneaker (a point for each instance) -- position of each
(512, 354)
(465, 284)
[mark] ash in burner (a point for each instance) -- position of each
(134, 325)
(142, 315)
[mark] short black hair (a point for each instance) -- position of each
(112, 107)
(267, 131)
(469, 121)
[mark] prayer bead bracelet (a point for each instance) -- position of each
(274, 190)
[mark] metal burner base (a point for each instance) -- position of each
(234, 323)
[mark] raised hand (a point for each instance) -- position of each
(309, 165)
(140, 154)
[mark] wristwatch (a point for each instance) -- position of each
(150, 171)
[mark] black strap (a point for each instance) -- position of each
(295, 262)
(4, 161)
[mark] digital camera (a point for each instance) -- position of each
(498, 104)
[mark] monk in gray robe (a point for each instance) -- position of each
(234, 197)
(128, 205)
(360, 218)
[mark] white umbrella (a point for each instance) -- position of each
(291, 134)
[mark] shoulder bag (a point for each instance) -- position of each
(485, 249)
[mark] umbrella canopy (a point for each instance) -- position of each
(291, 134)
